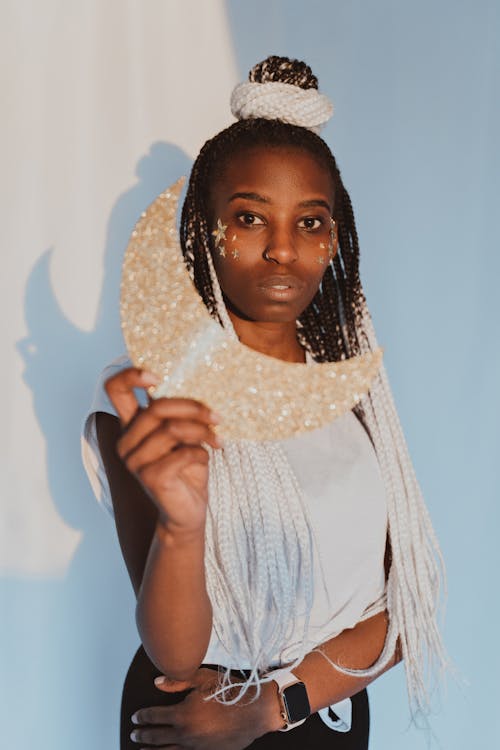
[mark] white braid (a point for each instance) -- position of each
(282, 101)
(260, 548)
(417, 569)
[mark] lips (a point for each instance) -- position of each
(280, 282)
(279, 288)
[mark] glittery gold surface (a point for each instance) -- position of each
(169, 331)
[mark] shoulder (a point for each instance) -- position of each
(100, 404)
(134, 512)
(120, 492)
(101, 401)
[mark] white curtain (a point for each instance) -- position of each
(104, 104)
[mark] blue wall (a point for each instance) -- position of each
(416, 135)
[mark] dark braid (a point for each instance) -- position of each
(283, 70)
(328, 325)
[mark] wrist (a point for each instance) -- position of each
(293, 699)
(170, 535)
(270, 712)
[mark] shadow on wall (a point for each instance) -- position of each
(78, 633)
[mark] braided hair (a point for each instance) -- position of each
(335, 325)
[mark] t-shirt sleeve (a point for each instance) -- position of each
(379, 605)
(91, 455)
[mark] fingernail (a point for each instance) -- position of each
(215, 417)
(160, 680)
(148, 378)
(219, 441)
(134, 736)
(134, 719)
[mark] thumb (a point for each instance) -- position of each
(167, 685)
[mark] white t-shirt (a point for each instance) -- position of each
(337, 469)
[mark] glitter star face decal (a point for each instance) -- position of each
(321, 260)
(235, 252)
(168, 330)
(219, 233)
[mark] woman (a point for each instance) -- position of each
(303, 568)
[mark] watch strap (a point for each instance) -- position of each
(284, 678)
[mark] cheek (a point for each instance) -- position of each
(237, 255)
(232, 268)
(316, 254)
(316, 274)
(245, 244)
(236, 244)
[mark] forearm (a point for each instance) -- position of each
(174, 614)
(356, 648)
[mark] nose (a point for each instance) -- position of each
(280, 247)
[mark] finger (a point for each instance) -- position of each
(155, 736)
(158, 479)
(162, 441)
(155, 715)
(161, 410)
(120, 390)
(172, 686)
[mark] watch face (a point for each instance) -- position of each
(296, 702)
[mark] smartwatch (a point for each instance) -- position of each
(292, 694)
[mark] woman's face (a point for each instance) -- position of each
(273, 208)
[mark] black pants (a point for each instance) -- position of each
(139, 691)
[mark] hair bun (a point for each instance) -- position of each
(282, 89)
(283, 70)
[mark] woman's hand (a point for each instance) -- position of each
(198, 724)
(208, 725)
(162, 445)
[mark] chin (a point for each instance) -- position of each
(275, 316)
(264, 313)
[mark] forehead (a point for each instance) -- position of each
(274, 169)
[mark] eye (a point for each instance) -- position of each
(249, 219)
(310, 223)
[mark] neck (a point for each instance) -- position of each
(278, 340)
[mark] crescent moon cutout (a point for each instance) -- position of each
(169, 331)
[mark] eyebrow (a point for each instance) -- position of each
(262, 199)
(249, 197)
(315, 202)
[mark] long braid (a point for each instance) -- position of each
(335, 325)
